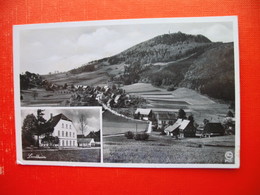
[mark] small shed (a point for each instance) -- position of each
(86, 142)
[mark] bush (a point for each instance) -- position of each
(141, 136)
(171, 88)
(129, 135)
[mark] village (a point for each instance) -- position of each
(141, 117)
(117, 101)
(169, 123)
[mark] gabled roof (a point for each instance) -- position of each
(173, 127)
(85, 140)
(117, 98)
(184, 124)
(143, 111)
(54, 120)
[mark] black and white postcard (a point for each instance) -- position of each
(159, 93)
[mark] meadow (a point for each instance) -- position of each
(165, 150)
(159, 99)
(113, 124)
(41, 97)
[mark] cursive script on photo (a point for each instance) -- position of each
(37, 156)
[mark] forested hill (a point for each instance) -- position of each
(174, 60)
(163, 48)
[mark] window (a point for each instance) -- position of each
(73, 134)
(62, 125)
(66, 126)
(62, 133)
(70, 134)
(59, 133)
(70, 143)
(67, 143)
(66, 134)
(62, 143)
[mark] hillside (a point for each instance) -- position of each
(166, 61)
(163, 48)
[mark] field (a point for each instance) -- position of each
(164, 149)
(191, 101)
(70, 155)
(85, 78)
(113, 124)
(41, 97)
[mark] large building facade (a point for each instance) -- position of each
(64, 129)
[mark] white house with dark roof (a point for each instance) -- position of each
(184, 127)
(143, 113)
(64, 129)
(164, 118)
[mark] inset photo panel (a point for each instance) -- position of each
(59, 136)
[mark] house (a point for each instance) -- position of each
(143, 113)
(175, 127)
(187, 129)
(85, 141)
(164, 118)
(184, 128)
(64, 129)
(213, 129)
(117, 99)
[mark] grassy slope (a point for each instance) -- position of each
(86, 78)
(113, 124)
(163, 149)
(199, 105)
(43, 98)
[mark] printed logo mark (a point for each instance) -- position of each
(229, 156)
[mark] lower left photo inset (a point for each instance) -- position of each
(59, 136)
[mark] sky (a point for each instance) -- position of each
(92, 117)
(45, 50)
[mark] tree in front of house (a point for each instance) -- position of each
(50, 140)
(34, 126)
(182, 114)
(28, 129)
